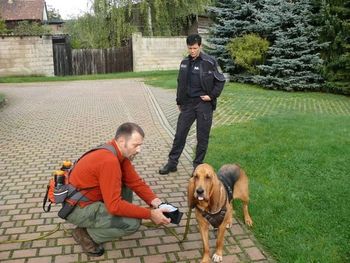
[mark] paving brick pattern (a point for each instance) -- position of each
(44, 123)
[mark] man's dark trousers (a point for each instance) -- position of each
(199, 110)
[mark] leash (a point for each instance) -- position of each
(170, 230)
(36, 238)
(150, 224)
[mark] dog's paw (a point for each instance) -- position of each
(228, 226)
(217, 258)
(248, 221)
(206, 258)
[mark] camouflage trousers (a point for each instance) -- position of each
(102, 226)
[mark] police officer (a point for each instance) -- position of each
(199, 85)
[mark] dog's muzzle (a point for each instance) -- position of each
(200, 193)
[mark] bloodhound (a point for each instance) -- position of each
(211, 195)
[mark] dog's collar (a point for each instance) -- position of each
(215, 219)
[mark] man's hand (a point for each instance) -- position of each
(205, 98)
(158, 218)
(156, 202)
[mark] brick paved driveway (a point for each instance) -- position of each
(44, 123)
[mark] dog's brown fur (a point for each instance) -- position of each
(206, 185)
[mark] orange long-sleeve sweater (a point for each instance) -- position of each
(106, 173)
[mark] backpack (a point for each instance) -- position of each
(59, 189)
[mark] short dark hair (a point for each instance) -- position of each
(194, 39)
(127, 129)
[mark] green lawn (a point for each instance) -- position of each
(167, 80)
(295, 148)
(146, 74)
(298, 162)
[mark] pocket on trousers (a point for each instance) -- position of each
(207, 110)
(205, 116)
(86, 216)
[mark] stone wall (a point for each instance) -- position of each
(29, 55)
(22, 56)
(157, 53)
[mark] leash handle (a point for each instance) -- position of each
(170, 230)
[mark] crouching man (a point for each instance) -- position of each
(108, 181)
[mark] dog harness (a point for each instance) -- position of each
(216, 219)
(228, 182)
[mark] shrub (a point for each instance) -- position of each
(3, 29)
(248, 51)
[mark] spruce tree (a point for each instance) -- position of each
(334, 20)
(231, 19)
(293, 59)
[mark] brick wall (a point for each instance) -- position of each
(157, 53)
(26, 56)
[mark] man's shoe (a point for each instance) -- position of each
(89, 246)
(167, 169)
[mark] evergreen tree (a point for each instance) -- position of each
(231, 19)
(293, 59)
(334, 20)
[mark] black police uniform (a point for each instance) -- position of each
(196, 77)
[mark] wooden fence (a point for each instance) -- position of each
(96, 61)
(69, 61)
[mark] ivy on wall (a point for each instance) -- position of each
(3, 29)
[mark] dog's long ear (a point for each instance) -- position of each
(214, 189)
(190, 193)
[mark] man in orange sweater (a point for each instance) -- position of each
(110, 181)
